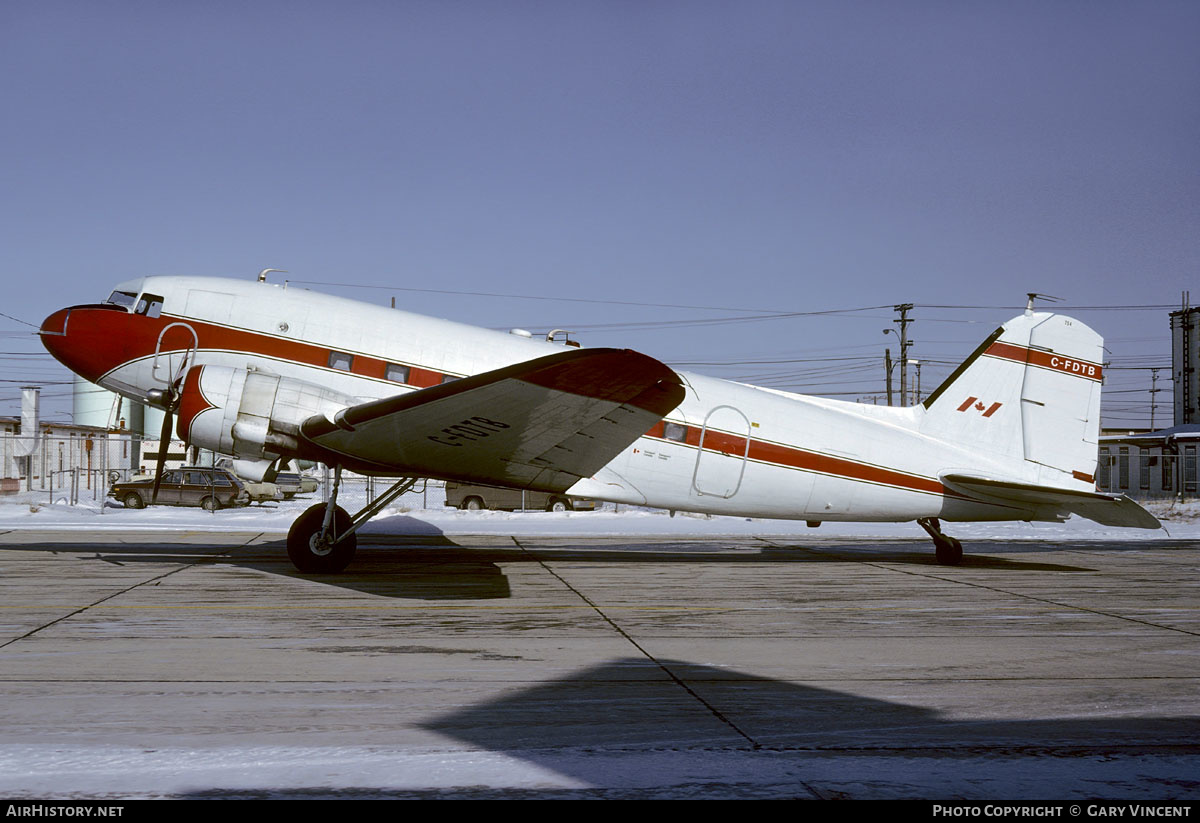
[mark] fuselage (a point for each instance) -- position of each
(729, 448)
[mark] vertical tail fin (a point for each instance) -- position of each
(1031, 391)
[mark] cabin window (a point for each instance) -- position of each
(1189, 469)
(1145, 461)
(1123, 468)
(150, 305)
(676, 432)
(124, 299)
(341, 361)
(396, 373)
(448, 378)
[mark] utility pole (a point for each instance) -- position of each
(888, 365)
(917, 363)
(904, 309)
(1154, 389)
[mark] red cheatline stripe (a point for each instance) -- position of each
(791, 457)
(1047, 360)
(100, 341)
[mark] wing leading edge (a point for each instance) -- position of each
(542, 424)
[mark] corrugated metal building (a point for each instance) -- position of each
(1150, 465)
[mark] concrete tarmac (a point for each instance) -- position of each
(188, 664)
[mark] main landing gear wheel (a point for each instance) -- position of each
(947, 549)
(311, 551)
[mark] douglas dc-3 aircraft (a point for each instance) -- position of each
(261, 372)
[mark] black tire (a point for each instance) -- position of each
(949, 551)
(210, 504)
(558, 504)
(473, 504)
(310, 558)
(133, 500)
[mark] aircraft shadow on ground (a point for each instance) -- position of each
(423, 563)
(633, 701)
(607, 724)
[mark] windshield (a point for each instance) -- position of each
(122, 298)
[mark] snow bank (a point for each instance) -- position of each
(33, 511)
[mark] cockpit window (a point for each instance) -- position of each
(150, 305)
(124, 299)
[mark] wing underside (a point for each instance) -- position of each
(542, 424)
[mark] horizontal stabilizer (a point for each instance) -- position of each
(1106, 509)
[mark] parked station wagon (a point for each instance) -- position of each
(189, 486)
(475, 497)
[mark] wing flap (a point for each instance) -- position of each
(1106, 509)
(543, 424)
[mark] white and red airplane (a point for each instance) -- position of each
(261, 371)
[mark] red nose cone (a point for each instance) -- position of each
(90, 340)
(54, 337)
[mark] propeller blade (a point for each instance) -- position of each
(164, 443)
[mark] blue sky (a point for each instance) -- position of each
(761, 156)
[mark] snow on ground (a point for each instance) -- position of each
(32, 510)
(264, 772)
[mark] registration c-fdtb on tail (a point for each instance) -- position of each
(261, 371)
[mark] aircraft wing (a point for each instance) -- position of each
(542, 424)
(1106, 509)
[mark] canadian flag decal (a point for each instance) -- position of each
(978, 405)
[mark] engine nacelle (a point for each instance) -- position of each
(250, 414)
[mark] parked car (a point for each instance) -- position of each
(291, 484)
(189, 486)
(474, 497)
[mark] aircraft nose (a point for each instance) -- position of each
(53, 332)
(56, 323)
(79, 338)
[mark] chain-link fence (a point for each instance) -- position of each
(78, 466)
(70, 466)
(357, 492)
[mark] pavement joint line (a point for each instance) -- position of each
(1179, 559)
(754, 744)
(1047, 601)
(115, 594)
